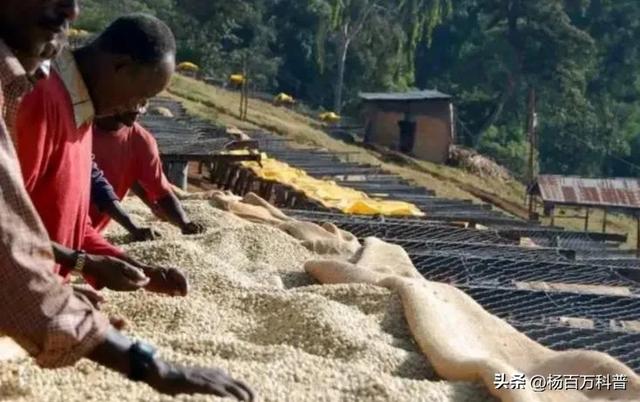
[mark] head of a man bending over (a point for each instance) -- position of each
(128, 63)
(35, 29)
(116, 122)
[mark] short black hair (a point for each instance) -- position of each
(143, 37)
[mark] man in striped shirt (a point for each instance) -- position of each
(55, 325)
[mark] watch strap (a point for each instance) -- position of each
(81, 260)
(141, 359)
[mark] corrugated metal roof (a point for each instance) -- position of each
(617, 193)
(404, 96)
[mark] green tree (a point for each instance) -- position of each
(493, 52)
(343, 22)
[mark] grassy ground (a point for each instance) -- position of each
(222, 106)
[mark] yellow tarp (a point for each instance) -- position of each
(330, 117)
(187, 66)
(329, 193)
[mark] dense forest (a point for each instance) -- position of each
(581, 59)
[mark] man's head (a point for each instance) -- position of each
(35, 29)
(130, 62)
(116, 122)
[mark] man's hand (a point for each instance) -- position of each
(115, 274)
(92, 295)
(169, 281)
(173, 380)
(193, 228)
(145, 234)
(114, 353)
(96, 299)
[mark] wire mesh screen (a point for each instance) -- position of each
(486, 250)
(318, 216)
(623, 346)
(499, 272)
(537, 306)
(561, 238)
(615, 262)
(422, 232)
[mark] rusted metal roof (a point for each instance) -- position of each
(428, 94)
(616, 193)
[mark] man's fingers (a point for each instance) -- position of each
(97, 297)
(194, 228)
(118, 322)
(149, 234)
(251, 396)
(91, 294)
(130, 286)
(180, 281)
(218, 381)
(217, 390)
(169, 281)
(146, 234)
(135, 274)
(134, 284)
(237, 390)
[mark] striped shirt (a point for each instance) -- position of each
(41, 314)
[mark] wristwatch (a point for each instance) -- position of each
(141, 359)
(81, 260)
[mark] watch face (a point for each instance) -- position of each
(140, 360)
(146, 348)
(81, 259)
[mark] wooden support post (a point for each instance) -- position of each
(222, 172)
(213, 171)
(242, 84)
(262, 189)
(249, 183)
(178, 173)
(294, 199)
(269, 192)
(604, 221)
(280, 196)
(287, 199)
(553, 217)
(244, 90)
(246, 97)
(586, 221)
(221, 177)
(233, 171)
(638, 235)
(531, 200)
(241, 100)
(531, 133)
(238, 186)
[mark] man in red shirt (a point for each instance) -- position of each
(54, 324)
(128, 155)
(132, 60)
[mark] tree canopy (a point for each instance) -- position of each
(582, 58)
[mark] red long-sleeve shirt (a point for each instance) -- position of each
(55, 157)
(127, 156)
